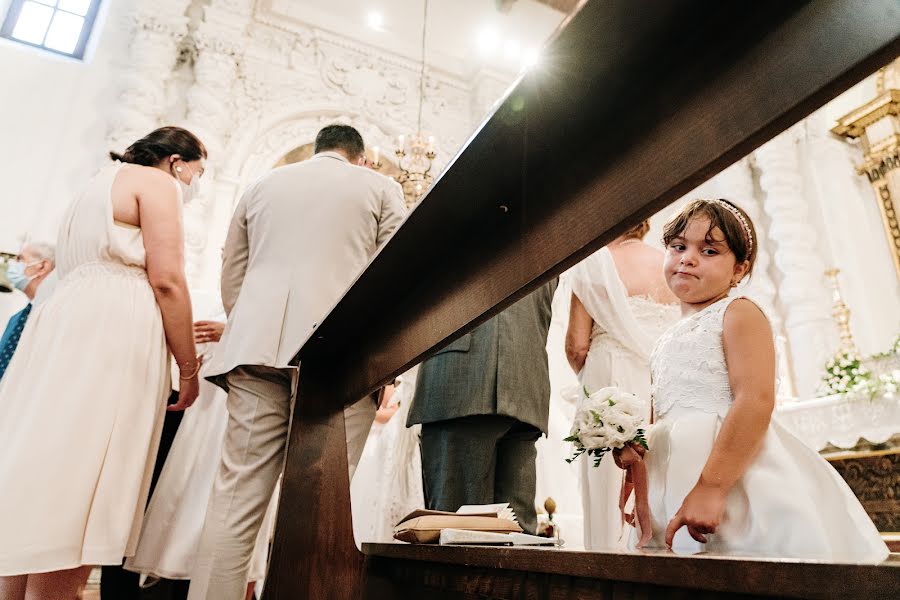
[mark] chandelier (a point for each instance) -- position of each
(415, 152)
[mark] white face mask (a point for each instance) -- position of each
(191, 190)
(16, 274)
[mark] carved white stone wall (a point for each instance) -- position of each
(209, 103)
(265, 85)
(802, 297)
(156, 28)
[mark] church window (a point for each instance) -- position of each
(60, 26)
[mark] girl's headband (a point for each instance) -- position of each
(741, 219)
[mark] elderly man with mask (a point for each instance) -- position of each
(31, 267)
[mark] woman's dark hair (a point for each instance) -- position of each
(728, 223)
(160, 143)
(340, 137)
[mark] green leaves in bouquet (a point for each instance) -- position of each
(595, 452)
(641, 438)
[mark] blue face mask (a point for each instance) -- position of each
(15, 272)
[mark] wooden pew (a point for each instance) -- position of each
(635, 103)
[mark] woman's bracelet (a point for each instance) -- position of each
(193, 372)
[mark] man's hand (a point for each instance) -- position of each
(208, 331)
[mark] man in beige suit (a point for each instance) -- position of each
(298, 239)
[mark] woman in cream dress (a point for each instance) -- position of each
(82, 404)
(620, 306)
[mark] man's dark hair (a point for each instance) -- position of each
(340, 137)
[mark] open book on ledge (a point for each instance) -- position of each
(424, 526)
(500, 511)
(489, 538)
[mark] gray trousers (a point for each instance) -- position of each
(481, 459)
(259, 408)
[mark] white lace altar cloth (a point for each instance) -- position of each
(842, 420)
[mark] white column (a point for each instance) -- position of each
(736, 183)
(218, 38)
(157, 28)
(803, 297)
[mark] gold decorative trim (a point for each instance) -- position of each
(881, 158)
(851, 454)
(853, 124)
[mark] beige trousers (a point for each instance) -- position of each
(259, 408)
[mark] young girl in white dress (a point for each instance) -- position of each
(724, 476)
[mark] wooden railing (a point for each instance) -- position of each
(635, 103)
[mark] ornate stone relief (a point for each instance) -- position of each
(157, 29)
(264, 84)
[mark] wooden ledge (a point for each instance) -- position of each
(755, 577)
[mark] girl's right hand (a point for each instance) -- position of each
(628, 455)
(701, 512)
(188, 391)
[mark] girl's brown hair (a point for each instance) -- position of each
(741, 241)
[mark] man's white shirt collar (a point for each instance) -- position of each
(331, 154)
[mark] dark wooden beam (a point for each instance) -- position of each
(404, 571)
(636, 103)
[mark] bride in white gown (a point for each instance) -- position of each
(620, 306)
(387, 484)
(174, 518)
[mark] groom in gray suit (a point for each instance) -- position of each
(483, 401)
(298, 238)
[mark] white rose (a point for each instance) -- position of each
(628, 404)
(603, 395)
(593, 441)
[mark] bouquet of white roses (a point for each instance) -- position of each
(605, 420)
(611, 419)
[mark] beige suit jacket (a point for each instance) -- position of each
(299, 237)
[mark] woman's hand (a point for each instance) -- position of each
(383, 415)
(208, 331)
(701, 511)
(188, 390)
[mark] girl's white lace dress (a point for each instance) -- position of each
(789, 504)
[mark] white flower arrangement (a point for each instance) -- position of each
(848, 374)
(844, 374)
(604, 420)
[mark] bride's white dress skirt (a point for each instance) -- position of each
(174, 519)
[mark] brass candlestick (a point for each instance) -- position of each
(841, 314)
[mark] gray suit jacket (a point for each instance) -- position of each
(298, 239)
(499, 368)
